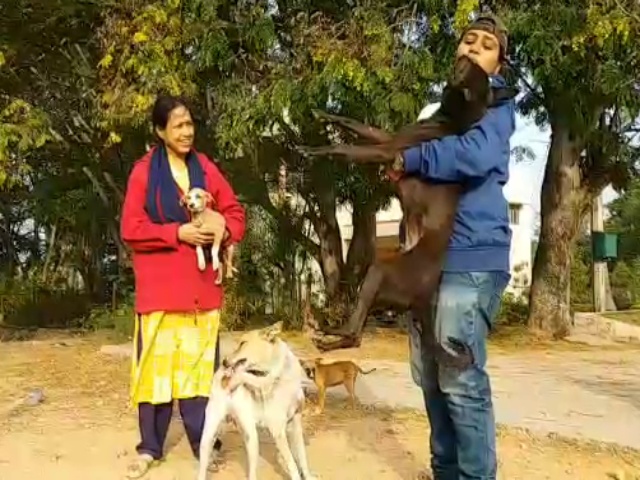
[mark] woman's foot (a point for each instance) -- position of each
(139, 467)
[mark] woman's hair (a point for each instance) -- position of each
(163, 107)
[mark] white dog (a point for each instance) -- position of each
(196, 201)
(260, 385)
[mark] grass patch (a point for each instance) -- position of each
(631, 317)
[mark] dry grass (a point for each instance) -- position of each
(85, 429)
(629, 316)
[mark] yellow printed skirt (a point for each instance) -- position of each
(174, 356)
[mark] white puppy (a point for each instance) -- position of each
(196, 201)
(260, 385)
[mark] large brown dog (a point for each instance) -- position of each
(331, 373)
(409, 281)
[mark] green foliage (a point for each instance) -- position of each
(514, 310)
(623, 286)
(22, 129)
(40, 307)
(121, 320)
(78, 83)
(625, 220)
(141, 56)
(581, 286)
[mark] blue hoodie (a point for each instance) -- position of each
(479, 160)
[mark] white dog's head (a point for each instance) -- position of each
(196, 200)
(258, 351)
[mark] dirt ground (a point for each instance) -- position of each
(85, 429)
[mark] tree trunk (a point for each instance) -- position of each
(564, 202)
(362, 249)
(331, 258)
(50, 249)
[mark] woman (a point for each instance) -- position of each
(177, 305)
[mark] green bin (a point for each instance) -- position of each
(605, 246)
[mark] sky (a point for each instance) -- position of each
(526, 176)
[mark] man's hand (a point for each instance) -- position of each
(394, 175)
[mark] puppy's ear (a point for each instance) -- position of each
(208, 197)
(183, 200)
(272, 332)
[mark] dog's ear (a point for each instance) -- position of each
(271, 333)
(507, 93)
(208, 197)
(183, 200)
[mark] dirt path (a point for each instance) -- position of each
(85, 428)
(577, 394)
(572, 394)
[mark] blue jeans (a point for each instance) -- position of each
(458, 402)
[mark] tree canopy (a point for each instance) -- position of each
(77, 84)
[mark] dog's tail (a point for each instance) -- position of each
(365, 372)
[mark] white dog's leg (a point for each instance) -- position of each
(201, 263)
(214, 415)
(244, 417)
(296, 440)
(215, 255)
(282, 444)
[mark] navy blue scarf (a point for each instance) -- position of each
(163, 195)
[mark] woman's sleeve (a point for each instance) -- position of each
(226, 202)
(136, 228)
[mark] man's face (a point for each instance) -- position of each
(483, 48)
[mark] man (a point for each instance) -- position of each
(476, 271)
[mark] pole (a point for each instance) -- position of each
(599, 267)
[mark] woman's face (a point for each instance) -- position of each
(483, 48)
(179, 132)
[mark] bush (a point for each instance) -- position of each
(120, 320)
(622, 286)
(513, 310)
(622, 297)
(43, 308)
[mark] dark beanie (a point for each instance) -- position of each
(488, 22)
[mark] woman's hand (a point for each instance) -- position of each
(194, 235)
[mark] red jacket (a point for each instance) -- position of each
(166, 271)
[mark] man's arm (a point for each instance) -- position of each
(472, 155)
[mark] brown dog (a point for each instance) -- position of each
(409, 281)
(326, 374)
